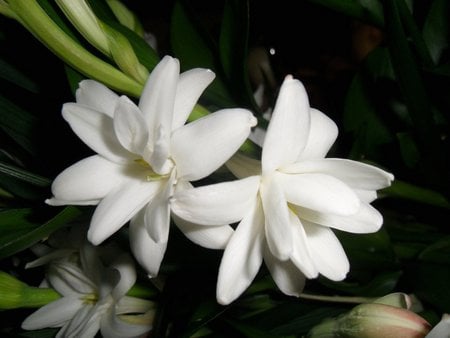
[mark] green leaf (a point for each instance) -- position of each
(193, 48)
(438, 252)
(408, 149)
(364, 10)
(233, 47)
(412, 86)
(409, 191)
(12, 74)
(24, 175)
(361, 118)
(18, 124)
(436, 29)
(18, 232)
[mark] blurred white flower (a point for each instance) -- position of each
(442, 329)
(288, 202)
(93, 298)
(145, 153)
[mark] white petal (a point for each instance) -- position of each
(158, 96)
(125, 266)
(160, 154)
(90, 261)
(355, 174)
(289, 279)
(367, 196)
(85, 323)
(322, 134)
(113, 327)
(133, 305)
(68, 279)
(118, 207)
(148, 253)
(157, 213)
(87, 180)
(242, 166)
(277, 224)
(200, 147)
(216, 204)
(242, 257)
(58, 202)
(210, 237)
(301, 255)
(96, 130)
(288, 128)
(327, 252)
(130, 126)
(97, 96)
(191, 85)
(54, 314)
(319, 192)
(366, 220)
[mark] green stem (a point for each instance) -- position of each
(49, 33)
(337, 299)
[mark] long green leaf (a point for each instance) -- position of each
(194, 50)
(19, 233)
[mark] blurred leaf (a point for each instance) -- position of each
(18, 124)
(17, 232)
(193, 48)
(438, 252)
(250, 331)
(412, 86)
(408, 149)
(364, 10)
(24, 175)
(233, 46)
(360, 118)
(408, 191)
(436, 29)
(378, 286)
(12, 74)
(430, 282)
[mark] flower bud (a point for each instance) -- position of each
(374, 320)
(126, 17)
(16, 294)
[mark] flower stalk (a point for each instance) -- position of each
(16, 294)
(36, 20)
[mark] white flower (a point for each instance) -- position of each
(93, 298)
(145, 153)
(442, 329)
(287, 203)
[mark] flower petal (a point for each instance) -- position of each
(125, 266)
(322, 134)
(210, 237)
(96, 130)
(96, 96)
(355, 174)
(327, 252)
(301, 255)
(366, 220)
(201, 147)
(157, 213)
(54, 314)
(319, 192)
(191, 85)
(113, 327)
(148, 253)
(85, 323)
(289, 279)
(242, 257)
(118, 207)
(68, 279)
(242, 166)
(130, 126)
(89, 179)
(277, 220)
(158, 96)
(216, 204)
(288, 128)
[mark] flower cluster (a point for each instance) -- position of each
(286, 203)
(92, 289)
